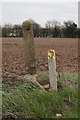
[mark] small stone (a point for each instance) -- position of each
(58, 115)
(46, 86)
(52, 90)
(30, 78)
(40, 86)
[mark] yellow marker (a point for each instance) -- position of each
(51, 54)
(52, 70)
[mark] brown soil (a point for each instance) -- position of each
(66, 55)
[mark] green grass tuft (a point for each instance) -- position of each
(29, 101)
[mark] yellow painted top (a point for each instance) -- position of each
(51, 54)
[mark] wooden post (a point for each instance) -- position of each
(29, 47)
(52, 69)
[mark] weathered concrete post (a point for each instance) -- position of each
(52, 70)
(29, 47)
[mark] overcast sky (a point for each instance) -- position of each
(17, 12)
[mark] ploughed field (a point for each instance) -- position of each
(66, 49)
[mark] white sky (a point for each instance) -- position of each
(39, 0)
(18, 11)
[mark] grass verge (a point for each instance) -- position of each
(28, 100)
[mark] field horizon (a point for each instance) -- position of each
(66, 50)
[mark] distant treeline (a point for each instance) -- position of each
(52, 28)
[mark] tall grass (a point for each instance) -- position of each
(28, 100)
